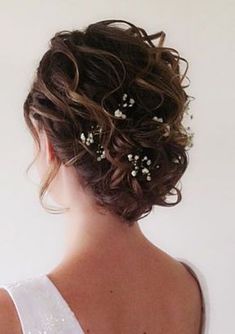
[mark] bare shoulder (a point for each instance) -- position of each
(191, 295)
(9, 321)
(184, 293)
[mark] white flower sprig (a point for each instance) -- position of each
(90, 139)
(138, 163)
(135, 161)
(87, 140)
(126, 103)
(158, 119)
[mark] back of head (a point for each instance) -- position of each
(116, 82)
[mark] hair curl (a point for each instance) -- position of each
(79, 82)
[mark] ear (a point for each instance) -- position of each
(49, 150)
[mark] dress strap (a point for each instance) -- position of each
(40, 307)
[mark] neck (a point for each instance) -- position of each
(89, 231)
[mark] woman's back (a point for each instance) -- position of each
(153, 295)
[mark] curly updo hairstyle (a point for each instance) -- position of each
(80, 81)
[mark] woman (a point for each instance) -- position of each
(105, 110)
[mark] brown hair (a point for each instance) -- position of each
(80, 81)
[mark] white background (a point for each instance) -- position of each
(200, 228)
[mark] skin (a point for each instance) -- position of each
(112, 277)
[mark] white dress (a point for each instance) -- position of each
(42, 309)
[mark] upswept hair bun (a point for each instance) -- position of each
(80, 81)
